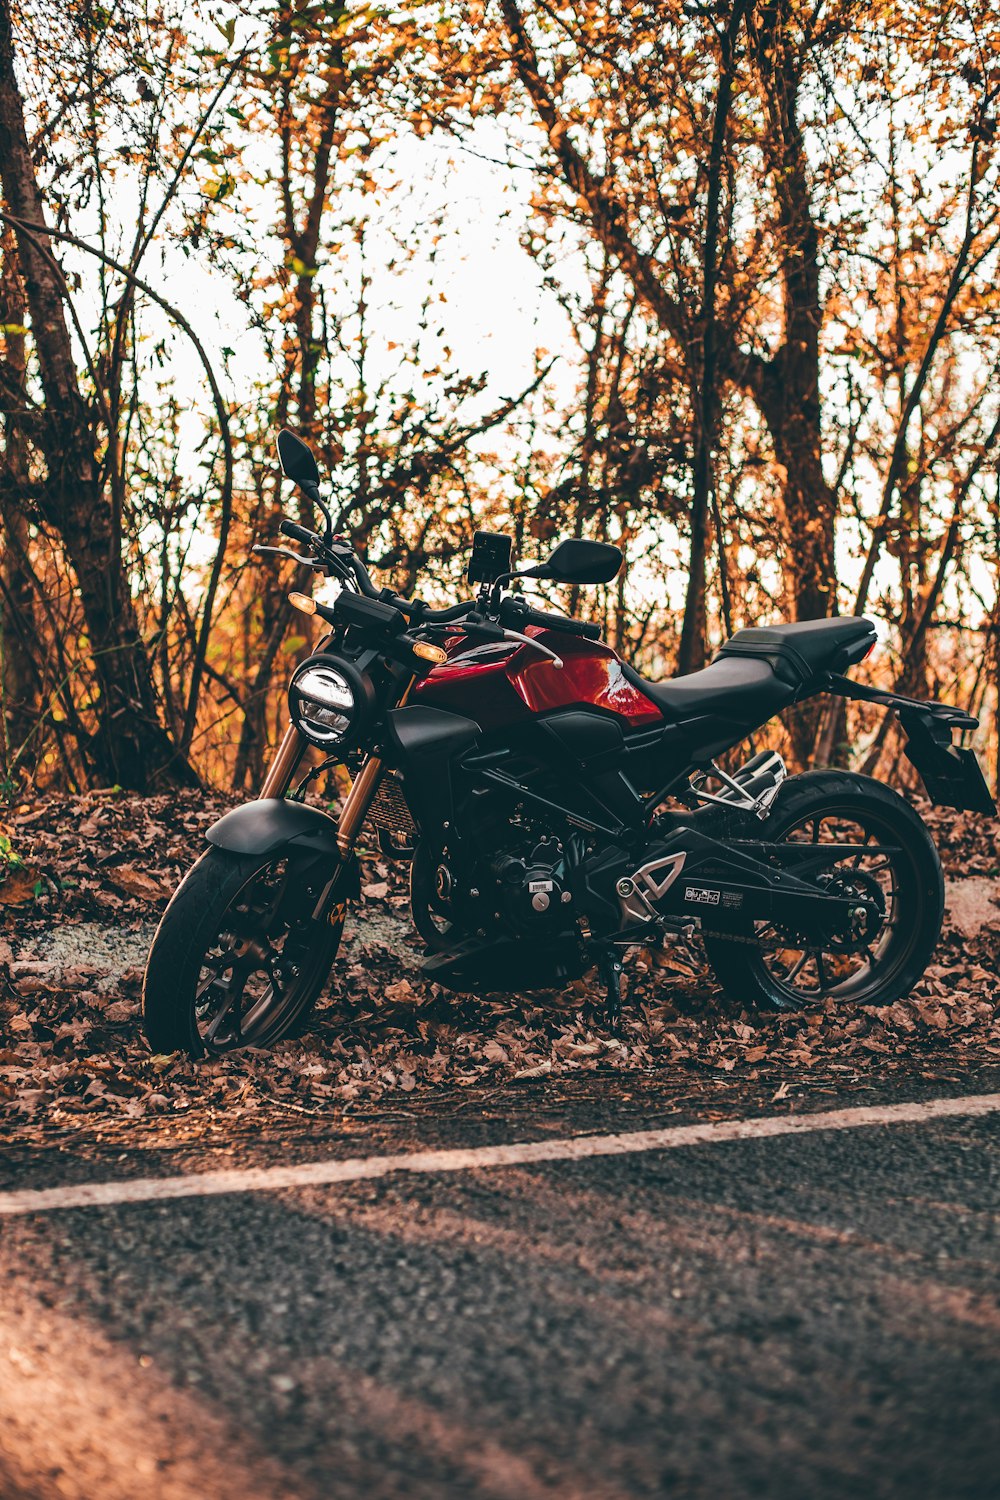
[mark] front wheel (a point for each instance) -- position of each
(879, 849)
(239, 958)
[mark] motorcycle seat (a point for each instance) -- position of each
(807, 648)
(763, 669)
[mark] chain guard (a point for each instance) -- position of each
(795, 938)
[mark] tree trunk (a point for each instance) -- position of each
(787, 391)
(18, 681)
(787, 388)
(705, 366)
(130, 746)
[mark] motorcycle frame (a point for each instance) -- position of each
(758, 892)
(733, 873)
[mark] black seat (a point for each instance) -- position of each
(761, 670)
(808, 646)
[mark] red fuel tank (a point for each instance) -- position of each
(505, 684)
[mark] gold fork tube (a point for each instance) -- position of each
(359, 800)
(362, 794)
(284, 764)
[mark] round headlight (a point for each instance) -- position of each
(328, 701)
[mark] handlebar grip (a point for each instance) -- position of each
(289, 528)
(445, 616)
(523, 614)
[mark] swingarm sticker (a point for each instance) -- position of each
(700, 895)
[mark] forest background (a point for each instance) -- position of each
(715, 282)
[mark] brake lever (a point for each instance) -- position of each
(529, 640)
(296, 557)
(513, 635)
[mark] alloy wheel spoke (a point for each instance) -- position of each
(823, 981)
(797, 966)
(232, 998)
(861, 853)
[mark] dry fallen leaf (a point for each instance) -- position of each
(83, 1020)
(536, 1072)
(135, 882)
(19, 887)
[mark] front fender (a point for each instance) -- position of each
(271, 824)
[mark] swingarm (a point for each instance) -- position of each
(711, 879)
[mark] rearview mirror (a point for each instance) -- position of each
(578, 561)
(296, 460)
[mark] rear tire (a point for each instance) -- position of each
(215, 900)
(897, 956)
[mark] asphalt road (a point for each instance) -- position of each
(807, 1316)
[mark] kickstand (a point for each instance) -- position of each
(610, 970)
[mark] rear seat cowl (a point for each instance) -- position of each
(799, 652)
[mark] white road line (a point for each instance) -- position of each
(464, 1159)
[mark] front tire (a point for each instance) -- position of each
(238, 960)
(787, 971)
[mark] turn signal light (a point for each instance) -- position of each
(427, 652)
(302, 602)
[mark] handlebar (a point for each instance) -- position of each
(298, 533)
(515, 613)
(335, 554)
(446, 616)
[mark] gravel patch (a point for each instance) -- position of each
(112, 950)
(971, 904)
(95, 955)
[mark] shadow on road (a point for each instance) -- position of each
(808, 1316)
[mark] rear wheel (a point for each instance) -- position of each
(238, 959)
(893, 864)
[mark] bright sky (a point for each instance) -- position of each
(497, 310)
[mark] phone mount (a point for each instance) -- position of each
(490, 557)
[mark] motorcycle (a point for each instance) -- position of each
(556, 807)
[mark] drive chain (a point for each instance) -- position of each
(735, 937)
(796, 943)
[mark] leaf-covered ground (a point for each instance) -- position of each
(86, 878)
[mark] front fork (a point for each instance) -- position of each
(331, 905)
(284, 765)
(359, 798)
(355, 809)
